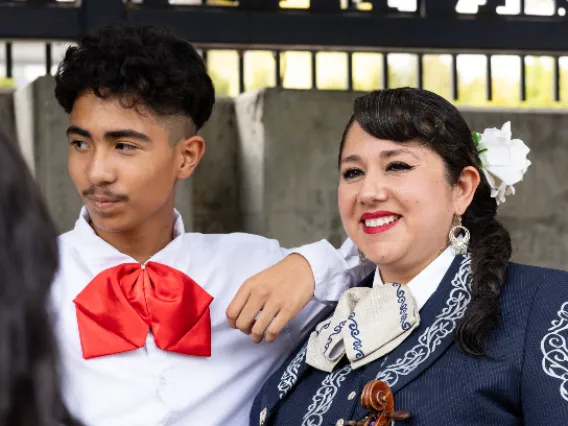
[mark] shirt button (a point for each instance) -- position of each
(352, 396)
(340, 422)
(163, 381)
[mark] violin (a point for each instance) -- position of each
(377, 396)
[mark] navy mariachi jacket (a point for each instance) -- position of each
(524, 382)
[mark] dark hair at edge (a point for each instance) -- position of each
(408, 114)
(30, 393)
(138, 64)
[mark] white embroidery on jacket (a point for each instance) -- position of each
(555, 350)
(290, 376)
(322, 400)
(443, 327)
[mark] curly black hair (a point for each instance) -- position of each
(409, 114)
(30, 389)
(138, 64)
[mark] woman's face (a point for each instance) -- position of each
(396, 203)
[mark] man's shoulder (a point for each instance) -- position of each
(243, 250)
(237, 241)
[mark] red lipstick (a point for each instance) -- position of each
(377, 215)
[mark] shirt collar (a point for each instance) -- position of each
(426, 282)
(99, 255)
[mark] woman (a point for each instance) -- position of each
(461, 335)
(29, 385)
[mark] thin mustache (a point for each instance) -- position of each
(107, 194)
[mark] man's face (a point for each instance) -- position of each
(122, 162)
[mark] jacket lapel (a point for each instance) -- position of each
(438, 320)
(294, 368)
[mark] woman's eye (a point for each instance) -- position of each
(352, 173)
(398, 166)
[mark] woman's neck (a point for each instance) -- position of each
(404, 272)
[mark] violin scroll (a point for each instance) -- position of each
(377, 396)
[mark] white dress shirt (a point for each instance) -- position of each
(151, 387)
(423, 285)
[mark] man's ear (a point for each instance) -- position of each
(189, 152)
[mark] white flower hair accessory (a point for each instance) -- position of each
(503, 160)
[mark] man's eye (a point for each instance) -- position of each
(126, 147)
(79, 144)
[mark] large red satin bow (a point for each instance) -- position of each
(121, 305)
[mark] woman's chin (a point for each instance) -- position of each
(382, 259)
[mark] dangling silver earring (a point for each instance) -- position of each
(459, 242)
(361, 255)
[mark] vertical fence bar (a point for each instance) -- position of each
(241, 54)
(385, 71)
(420, 71)
(277, 68)
(9, 60)
(48, 58)
(523, 79)
(489, 78)
(455, 77)
(314, 70)
(349, 70)
(556, 78)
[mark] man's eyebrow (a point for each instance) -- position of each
(78, 131)
(127, 133)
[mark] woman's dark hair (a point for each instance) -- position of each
(408, 114)
(138, 64)
(29, 383)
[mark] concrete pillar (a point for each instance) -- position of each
(289, 142)
(216, 203)
(41, 127)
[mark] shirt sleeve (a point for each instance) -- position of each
(544, 374)
(335, 270)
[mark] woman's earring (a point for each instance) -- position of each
(362, 257)
(459, 237)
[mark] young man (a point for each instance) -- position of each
(140, 306)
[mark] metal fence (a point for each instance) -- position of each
(427, 27)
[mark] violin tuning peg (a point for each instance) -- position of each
(398, 415)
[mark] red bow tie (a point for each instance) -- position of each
(121, 305)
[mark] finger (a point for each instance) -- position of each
(269, 311)
(277, 325)
(237, 304)
(248, 314)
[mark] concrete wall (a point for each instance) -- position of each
(270, 168)
(536, 214)
(216, 202)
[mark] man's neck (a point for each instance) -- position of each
(146, 239)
